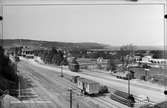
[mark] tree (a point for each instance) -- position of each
(126, 52)
(52, 56)
(111, 65)
(157, 54)
(8, 73)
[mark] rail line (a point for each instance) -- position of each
(65, 84)
(74, 87)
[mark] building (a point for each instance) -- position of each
(146, 59)
(137, 58)
(157, 63)
(27, 52)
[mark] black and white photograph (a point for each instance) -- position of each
(83, 54)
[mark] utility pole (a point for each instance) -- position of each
(62, 71)
(77, 105)
(128, 76)
(165, 34)
(18, 74)
(61, 67)
(129, 83)
(70, 98)
(18, 84)
(1, 20)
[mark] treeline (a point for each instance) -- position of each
(52, 56)
(8, 73)
(79, 53)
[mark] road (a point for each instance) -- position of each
(49, 90)
(155, 94)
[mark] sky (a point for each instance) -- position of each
(107, 24)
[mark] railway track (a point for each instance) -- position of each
(73, 86)
(156, 89)
(113, 89)
(65, 84)
(109, 102)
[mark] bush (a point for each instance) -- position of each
(8, 72)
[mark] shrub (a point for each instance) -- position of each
(8, 72)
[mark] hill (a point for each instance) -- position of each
(50, 44)
(69, 45)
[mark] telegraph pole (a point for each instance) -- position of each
(62, 71)
(70, 98)
(77, 105)
(165, 45)
(1, 20)
(19, 86)
(128, 83)
(128, 76)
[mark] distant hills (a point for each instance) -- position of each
(67, 45)
(49, 44)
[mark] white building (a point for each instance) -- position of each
(153, 61)
(146, 59)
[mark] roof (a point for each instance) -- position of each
(86, 80)
(150, 57)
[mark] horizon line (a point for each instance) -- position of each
(84, 42)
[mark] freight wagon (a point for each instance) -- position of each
(88, 86)
(123, 97)
(124, 75)
(74, 67)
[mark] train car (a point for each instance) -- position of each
(88, 86)
(124, 75)
(73, 64)
(75, 79)
(123, 98)
(74, 67)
